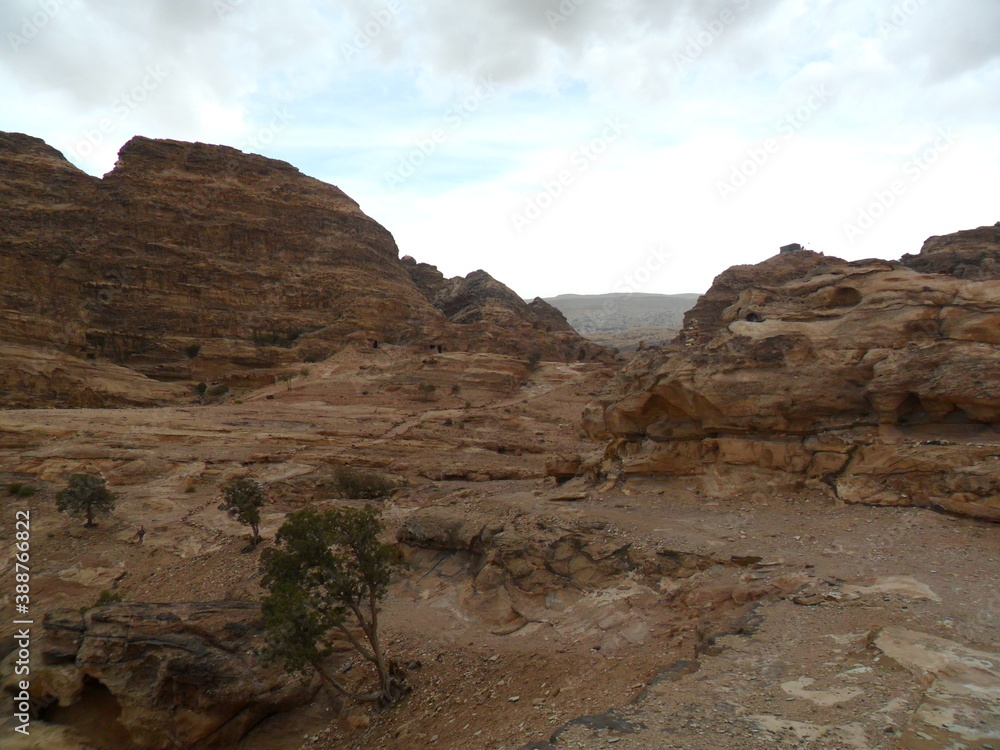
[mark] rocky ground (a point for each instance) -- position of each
(673, 613)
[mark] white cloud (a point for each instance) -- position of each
(700, 85)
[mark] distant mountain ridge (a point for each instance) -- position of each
(606, 313)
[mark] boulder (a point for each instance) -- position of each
(440, 529)
(163, 675)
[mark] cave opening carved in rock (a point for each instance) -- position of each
(94, 716)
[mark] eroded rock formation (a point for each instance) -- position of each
(163, 675)
(190, 262)
(880, 379)
(522, 571)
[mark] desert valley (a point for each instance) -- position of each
(776, 529)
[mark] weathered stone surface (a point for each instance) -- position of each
(961, 708)
(178, 675)
(594, 424)
(191, 262)
(880, 380)
(535, 558)
(563, 467)
(440, 528)
(960, 254)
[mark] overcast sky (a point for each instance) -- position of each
(573, 146)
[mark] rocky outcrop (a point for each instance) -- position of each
(550, 316)
(190, 262)
(484, 309)
(877, 379)
(535, 558)
(159, 675)
(512, 563)
(963, 254)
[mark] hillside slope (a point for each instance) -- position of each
(597, 313)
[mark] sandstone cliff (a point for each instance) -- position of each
(877, 378)
(189, 262)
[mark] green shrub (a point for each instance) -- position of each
(20, 490)
(325, 579)
(193, 350)
(86, 496)
(217, 390)
(242, 499)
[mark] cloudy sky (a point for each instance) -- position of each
(566, 146)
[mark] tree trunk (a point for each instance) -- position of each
(391, 688)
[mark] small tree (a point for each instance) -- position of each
(86, 496)
(325, 578)
(242, 500)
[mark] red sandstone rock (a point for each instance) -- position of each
(190, 262)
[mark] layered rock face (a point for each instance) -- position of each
(879, 379)
(193, 262)
(163, 675)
